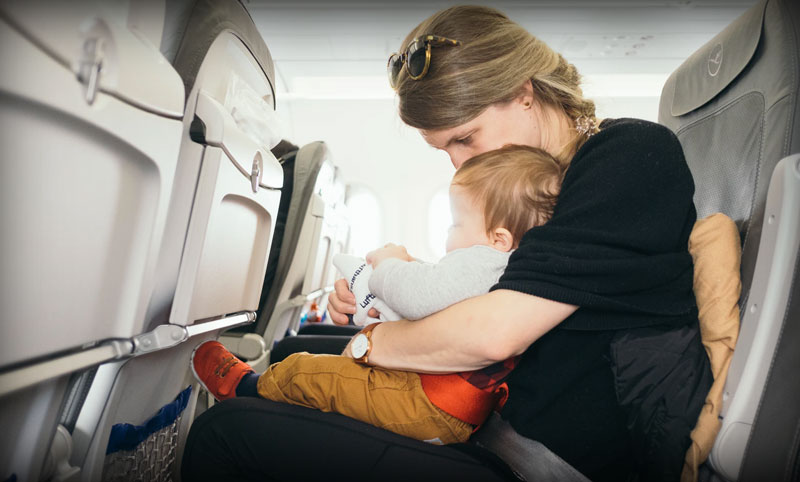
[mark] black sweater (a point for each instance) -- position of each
(616, 246)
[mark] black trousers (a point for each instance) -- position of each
(249, 439)
(252, 439)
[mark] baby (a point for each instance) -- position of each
(495, 198)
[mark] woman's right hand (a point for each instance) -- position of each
(342, 302)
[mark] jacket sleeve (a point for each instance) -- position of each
(617, 241)
(415, 289)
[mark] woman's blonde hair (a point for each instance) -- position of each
(494, 61)
(516, 186)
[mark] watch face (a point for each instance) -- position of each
(360, 345)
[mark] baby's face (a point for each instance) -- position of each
(468, 228)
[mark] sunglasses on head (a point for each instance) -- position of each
(417, 57)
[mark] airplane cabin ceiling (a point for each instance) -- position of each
(322, 41)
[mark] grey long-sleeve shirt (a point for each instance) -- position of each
(416, 289)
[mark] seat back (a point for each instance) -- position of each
(287, 162)
(321, 274)
(89, 158)
(212, 260)
(733, 105)
(340, 222)
(298, 277)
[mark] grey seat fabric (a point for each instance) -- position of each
(186, 47)
(733, 105)
(736, 124)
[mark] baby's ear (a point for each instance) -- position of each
(501, 239)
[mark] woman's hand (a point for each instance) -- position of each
(388, 251)
(342, 303)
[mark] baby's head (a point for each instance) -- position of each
(497, 196)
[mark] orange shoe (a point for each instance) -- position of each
(218, 370)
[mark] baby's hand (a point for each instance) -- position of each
(389, 251)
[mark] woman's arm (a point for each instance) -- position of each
(466, 336)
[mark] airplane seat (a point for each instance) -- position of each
(176, 21)
(89, 155)
(232, 339)
(733, 105)
(323, 337)
(211, 263)
(340, 229)
(298, 279)
(339, 222)
(242, 340)
(287, 163)
(304, 249)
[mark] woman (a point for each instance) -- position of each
(598, 302)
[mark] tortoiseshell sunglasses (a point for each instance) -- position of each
(417, 57)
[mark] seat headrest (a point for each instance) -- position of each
(717, 63)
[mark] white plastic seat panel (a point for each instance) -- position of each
(763, 319)
(132, 392)
(62, 29)
(320, 272)
(227, 245)
(85, 189)
(316, 251)
(238, 189)
(333, 240)
(331, 243)
(216, 246)
(228, 59)
(319, 260)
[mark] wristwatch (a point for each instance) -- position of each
(362, 344)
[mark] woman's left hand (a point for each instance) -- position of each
(390, 250)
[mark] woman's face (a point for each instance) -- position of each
(515, 122)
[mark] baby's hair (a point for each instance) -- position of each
(516, 186)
